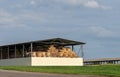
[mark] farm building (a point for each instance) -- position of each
(50, 52)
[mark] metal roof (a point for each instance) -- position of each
(54, 41)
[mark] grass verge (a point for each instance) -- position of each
(105, 70)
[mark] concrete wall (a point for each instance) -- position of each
(16, 62)
(38, 61)
(42, 61)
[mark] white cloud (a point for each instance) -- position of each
(101, 31)
(92, 4)
(86, 3)
(32, 2)
(95, 4)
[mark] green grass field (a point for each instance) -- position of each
(105, 70)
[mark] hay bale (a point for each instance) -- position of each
(48, 54)
(63, 49)
(56, 52)
(43, 54)
(65, 55)
(33, 54)
(53, 54)
(74, 55)
(60, 54)
(52, 49)
(69, 54)
(38, 54)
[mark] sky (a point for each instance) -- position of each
(95, 22)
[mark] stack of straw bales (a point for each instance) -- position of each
(67, 52)
(54, 52)
(41, 54)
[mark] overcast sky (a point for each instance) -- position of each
(96, 22)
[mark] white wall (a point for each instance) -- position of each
(38, 61)
(42, 61)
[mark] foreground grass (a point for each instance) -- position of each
(105, 70)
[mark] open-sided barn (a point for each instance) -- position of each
(50, 52)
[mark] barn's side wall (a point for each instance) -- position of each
(16, 62)
(49, 61)
(42, 61)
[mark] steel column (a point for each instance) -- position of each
(72, 48)
(31, 48)
(8, 52)
(15, 51)
(82, 53)
(23, 50)
(1, 53)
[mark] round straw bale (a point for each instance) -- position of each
(60, 54)
(33, 54)
(74, 55)
(70, 55)
(48, 54)
(68, 49)
(38, 54)
(44, 54)
(65, 55)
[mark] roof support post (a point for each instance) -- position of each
(1, 53)
(72, 48)
(23, 50)
(31, 48)
(8, 51)
(15, 51)
(82, 52)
